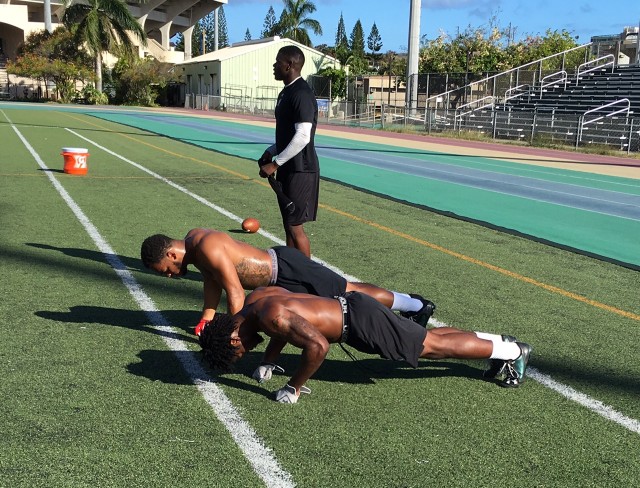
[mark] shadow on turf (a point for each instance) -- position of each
(363, 371)
(129, 319)
(89, 254)
(100, 257)
(593, 374)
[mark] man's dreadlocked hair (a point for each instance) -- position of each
(215, 341)
(154, 249)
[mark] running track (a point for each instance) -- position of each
(524, 191)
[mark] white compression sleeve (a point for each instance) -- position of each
(300, 139)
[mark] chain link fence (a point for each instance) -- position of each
(379, 103)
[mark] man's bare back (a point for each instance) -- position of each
(325, 314)
(205, 247)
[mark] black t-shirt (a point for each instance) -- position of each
(297, 103)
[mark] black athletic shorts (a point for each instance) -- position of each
(375, 329)
(299, 274)
(303, 190)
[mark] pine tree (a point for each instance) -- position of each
(269, 23)
(204, 33)
(374, 41)
(356, 41)
(279, 27)
(223, 36)
(196, 40)
(247, 35)
(341, 35)
(342, 44)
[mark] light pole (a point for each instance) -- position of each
(412, 55)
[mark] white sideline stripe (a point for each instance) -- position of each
(204, 201)
(262, 458)
(574, 395)
(565, 390)
(595, 405)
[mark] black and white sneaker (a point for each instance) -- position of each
(514, 369)
(423, 315)
(495, 366)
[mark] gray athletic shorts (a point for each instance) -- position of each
(372, 328)
(299, 274)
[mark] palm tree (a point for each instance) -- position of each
(102, 25)
(294, 22)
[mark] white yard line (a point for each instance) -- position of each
(585, 400)
(260, 456)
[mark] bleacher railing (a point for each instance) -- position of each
(597, 114)
(497, 85)
(554, 79)
(595, 64)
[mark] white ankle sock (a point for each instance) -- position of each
(505, 350)
(404, 303)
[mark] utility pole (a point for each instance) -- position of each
(47, 16)
(638, 45)
(215, 29)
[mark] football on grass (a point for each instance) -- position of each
(250, 225)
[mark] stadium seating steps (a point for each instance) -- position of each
(593, 90)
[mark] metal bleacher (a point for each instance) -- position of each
(580, 94)
(595, 103)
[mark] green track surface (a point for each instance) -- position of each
(611, 237)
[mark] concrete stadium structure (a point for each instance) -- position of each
(161, 20)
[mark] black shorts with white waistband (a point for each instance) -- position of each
(299, 274)
(375, 329)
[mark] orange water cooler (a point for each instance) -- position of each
(75, 160)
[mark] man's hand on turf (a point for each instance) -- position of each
(265, 371)
(288, 394)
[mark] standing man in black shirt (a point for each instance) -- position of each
(293, 155)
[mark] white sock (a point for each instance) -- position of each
(404, 303)
(505, 350)
(489, 337)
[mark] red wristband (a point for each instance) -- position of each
(201, 325)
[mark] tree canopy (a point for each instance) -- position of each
(374, 41)
(483, 50)
(294, 22)
(53, 57)
(102, 25)
(356, 40)
(269, 23)
(342, 43)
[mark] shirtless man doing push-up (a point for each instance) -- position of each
(313, 323)
(234, 266)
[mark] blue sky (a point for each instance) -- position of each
(580, 17)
